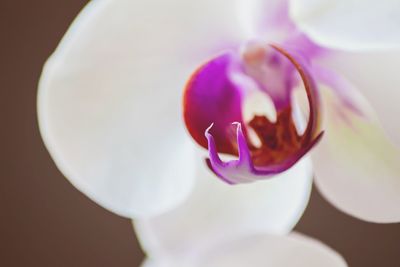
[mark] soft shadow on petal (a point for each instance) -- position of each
(357, 167)
(109, 99)
(216, 211)
(349, 24)
(262, 250)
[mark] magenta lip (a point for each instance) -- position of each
(213, 102)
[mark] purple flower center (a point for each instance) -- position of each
(213, 104)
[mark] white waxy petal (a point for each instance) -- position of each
(376, 76)
(349, 24)
(110, 96)
(357, 167)
(259, 251)
(216, 210)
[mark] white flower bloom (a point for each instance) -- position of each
(109, 109)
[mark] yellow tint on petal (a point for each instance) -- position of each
(357, 167)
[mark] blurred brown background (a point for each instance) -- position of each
(44, 221)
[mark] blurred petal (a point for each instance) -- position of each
(262, 250)
(157, 263)
(266, 19)
(109, 99)
(376, 76)
(349, 24)
(216, 211)
(357, 167)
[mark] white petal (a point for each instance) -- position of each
(376, 76)
(349, 24)
(157, 263)
(357, 167)
(263, 250)
(216, 210)
(109, 99)
(264, 19)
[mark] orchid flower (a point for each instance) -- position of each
(356, 158)
(109, 108)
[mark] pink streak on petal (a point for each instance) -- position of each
(342, 88)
